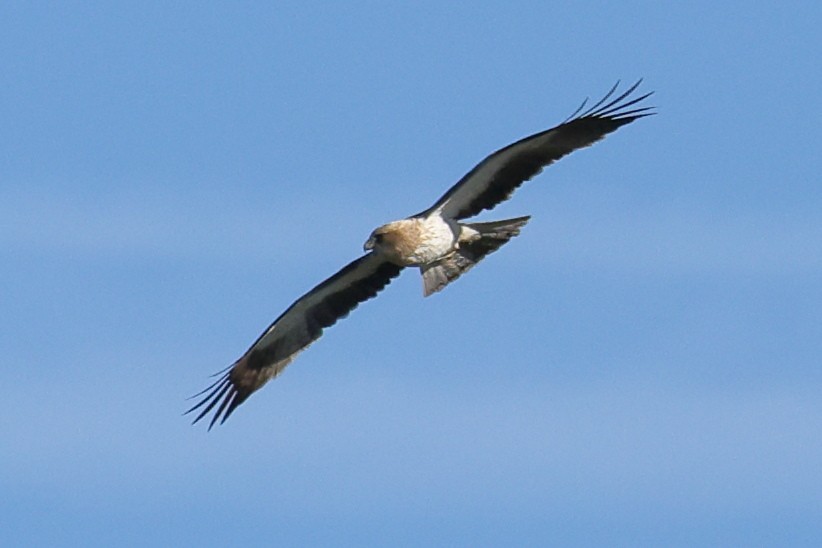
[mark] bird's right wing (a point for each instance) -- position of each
(300, 325)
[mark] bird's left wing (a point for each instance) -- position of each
(293, 331)
(495, 178)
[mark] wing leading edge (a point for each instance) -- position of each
(494, 179)
(296, 328)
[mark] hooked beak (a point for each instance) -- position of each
(369, 245)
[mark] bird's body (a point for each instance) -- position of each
(415, 241)
(442, 248)
(435, 240)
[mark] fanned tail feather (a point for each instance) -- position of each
(491, 237)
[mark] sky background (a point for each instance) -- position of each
(640, 366)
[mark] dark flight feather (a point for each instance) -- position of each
(494, 179)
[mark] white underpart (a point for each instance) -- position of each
(468, 234)
(437, 239)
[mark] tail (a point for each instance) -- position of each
(489, 238)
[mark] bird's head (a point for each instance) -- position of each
(387, 237)
(374, 240)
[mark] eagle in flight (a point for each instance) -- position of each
(435, 240)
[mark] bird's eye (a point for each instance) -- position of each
(378, 237)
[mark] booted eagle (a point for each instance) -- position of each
(434, 240)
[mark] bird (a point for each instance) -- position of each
(438, 241)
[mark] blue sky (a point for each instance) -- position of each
(640, 366)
